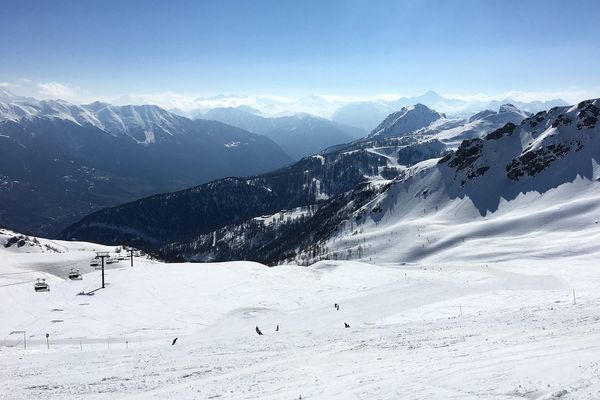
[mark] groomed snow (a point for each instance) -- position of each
(442, 330)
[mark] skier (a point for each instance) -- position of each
(174, 341)
(337, 306)
(258, 331)
(346, 325)
(277, 329)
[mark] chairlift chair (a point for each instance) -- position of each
(74, 275)
(41, 286)
(95, 262)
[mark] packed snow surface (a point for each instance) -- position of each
(438, 330)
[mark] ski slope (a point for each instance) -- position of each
(453, 330)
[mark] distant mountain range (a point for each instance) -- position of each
(60, 161)
(299, 135)
(279, 215)
(497, 197)
(367, 114)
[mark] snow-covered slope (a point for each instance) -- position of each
(419, 120)
(432, 330)
(406, 121)
(453, 131)
(523, 192)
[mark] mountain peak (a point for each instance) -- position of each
(407, 120)
(512, 109)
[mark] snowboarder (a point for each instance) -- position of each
(346, 325)
(277, 329)
(174, 341)
(258, 331)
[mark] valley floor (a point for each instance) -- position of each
(444, 331)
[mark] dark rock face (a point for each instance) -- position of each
(466, 154)
(561, 119)
(537, 118)
(533, 162)
(506, 130)
(478, 172)
(587, 115)
(446, 158)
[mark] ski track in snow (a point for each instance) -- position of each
(438, 331)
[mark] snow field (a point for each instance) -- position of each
(429, 330)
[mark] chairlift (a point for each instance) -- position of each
(41, 286)
(74, 275)
(95, 263)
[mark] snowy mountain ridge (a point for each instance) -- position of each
(538, 179)
(140, 122)
(405, 121)
(315, 180)
(542, 164)
(368, 114)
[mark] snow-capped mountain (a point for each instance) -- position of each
(406, 121)
(506, 192)
(536, 180)
(299, 135)
(142, 123)
(60, 161)
(453, 131)
(367, 114)
(312, 181)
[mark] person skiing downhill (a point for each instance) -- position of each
(174, 341)
(258, 331)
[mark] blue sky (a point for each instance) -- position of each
(364, 48)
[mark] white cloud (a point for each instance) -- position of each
(271, 104)
(571, 96)
(56, 90)
(325, 105)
